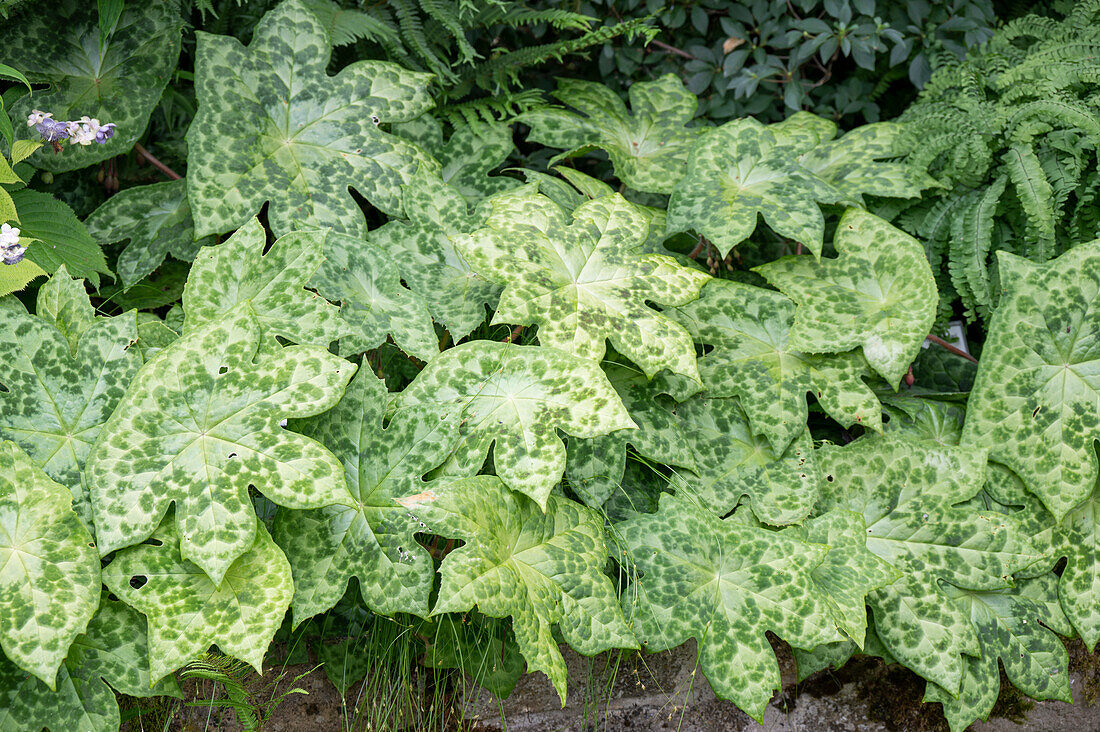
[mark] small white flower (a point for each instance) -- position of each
(82, 134)
(10, 251)
(90, 123)
(9, 235)
(36, 117)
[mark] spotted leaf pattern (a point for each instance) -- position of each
(585, 282)
(540, 565)
(187, 612)
(471, 152)
(373, 541)
(740, 171)
(877, 294)
(238, 270)
(293, 136)
(725, 584)
(1036, 399)
(199, 427)
(155, 220)
(909, 495)
(648, 144)
(514, 399)
(753, 359)
(49, 568)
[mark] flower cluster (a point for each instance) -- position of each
(10, 251)
(84, 131)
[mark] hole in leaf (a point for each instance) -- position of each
(230, 456)
(111, 596)
(829, 478)
(138, 581)
(4, 389)
(223, 370)
(153, 542)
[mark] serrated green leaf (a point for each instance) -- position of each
(732, 463)
(64, 372)
(294, 136)
(585, 282)
(752, 359)
(119, 81)
(515, 399)
(49, 567)
(187, 612)
(14, 277)
(374, 305)
(1035, 400)
(740, 171)
(374, 541)
(472, 151)
(648, 145)
(1008, 628)
(155, 220)
(238, 270)
(424, 250)
(542, 566)
(909, 496)
(801, 132)
(1077, 538)
(62, 238)
(725, 584)
(199, 426)
(853, 165)
(878, 294)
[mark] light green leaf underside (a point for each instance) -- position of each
(724, 584)
(752, 359)
(1036, 400)
(648, 145)
(199, 427)
(740, 171)
(514, 398)
(156, 221)
(294, 136)
(119, 81)
(877, 294)
(908, 494)
(188, 613)
(49, 568)
(541, 568)
(584, 282)
(238, 270)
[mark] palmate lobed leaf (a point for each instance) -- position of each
(294, 136)
(1036, 399)
(49, 568)
(648, 145)
(515, 399)
(586, 282)
(878, 294)
(541, 565)
(187, 612)
(725, 584)
(199, 426)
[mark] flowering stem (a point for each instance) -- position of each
(957, 351)
(156, 163)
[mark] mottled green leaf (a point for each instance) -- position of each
(1036, 400)
(188, 613)
(119, 80)
(63, 371)
(515, 399)
(732, 462)
(1007, 623)
(739, 171)
(292, 135)
(878, 294)
(472, 151)
(648, 145)
(155, 220)
(373, 541)
(724, 584)
(752, 358)
(1077, 539)
(424, 251)
(49, 567)
(585, 282)
(374, 305)
(199, 427)
(540, 567)
(908, 494)
(238, 270)
(924, 419)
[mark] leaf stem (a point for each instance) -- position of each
(671, 49)
(156, 163)
(954, 349)
(514, 334)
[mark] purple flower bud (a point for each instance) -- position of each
(52, 130)
(105, 132)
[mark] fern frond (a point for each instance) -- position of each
(498, 108)
(971, 240)
(348, 26)
(515, 17)
(443, 13)
(412, 31)
(1035, 196)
